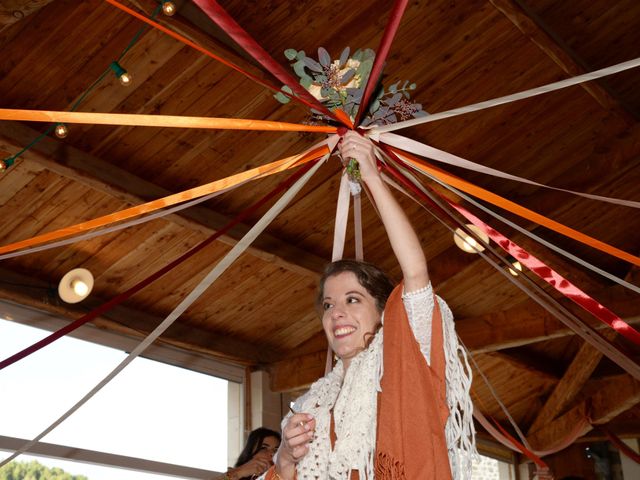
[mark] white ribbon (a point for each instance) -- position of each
(423, 150)
(620, 67)
(204, 284)
(357, 226)
(342, 216)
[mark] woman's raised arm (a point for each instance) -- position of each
(402, 236)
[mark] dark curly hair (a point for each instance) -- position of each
(374, 280)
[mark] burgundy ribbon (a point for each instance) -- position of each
(383, 50)
(620, 445)
(105, 307)
(220, 16)
(538, 267)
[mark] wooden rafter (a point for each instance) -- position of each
(12, 11)
(560, 53)
(576, 375)
(619, 394)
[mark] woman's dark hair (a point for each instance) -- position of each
(254, 442)
(374, 280)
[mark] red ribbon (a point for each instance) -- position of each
(553, 278)
(193, 45)
(536, 459)
(538, 267)
(383, 50)
(220, 16)
(105, 307)
(620, 445)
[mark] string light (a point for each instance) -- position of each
(125, 77)
(6, 163)
(517, 266)
(168, 8)
(61, 130)
(466, 242)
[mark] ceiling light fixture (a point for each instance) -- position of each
(123, 76)
(466, 242)
(76, 285)
(61, 130)
(168, 8)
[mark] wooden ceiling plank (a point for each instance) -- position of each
(561, 54)
(12, 11)
(24, 290)
(621, 394)
(576, 375)
(296, 373)
(108, 178)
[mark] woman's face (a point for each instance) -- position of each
(349, 315)
(267, 448)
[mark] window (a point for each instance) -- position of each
(150, 410)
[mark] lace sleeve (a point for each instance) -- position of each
(419, 306)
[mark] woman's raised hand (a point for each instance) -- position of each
(354, 145)
(296, 436)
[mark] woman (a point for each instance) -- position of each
(257, 455)
(402, 411)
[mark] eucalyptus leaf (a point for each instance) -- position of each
(306, 81)
(324, 57)
(300, 55)
(393, 88)
(298, 67)
(281, 97)
(374, 106)
(346, 78)
(412, 86)
(344, 57)
(312, 64)
(291, 53)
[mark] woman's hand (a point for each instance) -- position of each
(259, 464)
(361, 149)
(296, 436)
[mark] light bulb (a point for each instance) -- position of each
(466, 242)
(125, 79)
(61, 130)
(516, 266)
(168, 8)
(3, 166)
(79, 287)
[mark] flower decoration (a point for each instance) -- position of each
(340, 84)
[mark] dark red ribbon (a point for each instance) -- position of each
(381, 55)
(220, 16)
(537, 266)
(535, 458)
(105, 307)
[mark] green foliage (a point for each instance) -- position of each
(35, 471)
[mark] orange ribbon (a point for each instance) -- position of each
(228, 182)
(515, 208)
(175, 121)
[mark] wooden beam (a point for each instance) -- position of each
(561, 54)
(296, 373)
(579, 371)
(38, 294)
(496, 331)
(12, 11)
(107, 178)
(620, 394)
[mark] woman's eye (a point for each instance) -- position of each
(326, 306)
(352, 300)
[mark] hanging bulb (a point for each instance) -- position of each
(517, 267)
(124, 77)
(61, 130)
(3, 166)
(466, 242)
(168, 8)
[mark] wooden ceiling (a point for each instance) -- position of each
(260, 313)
